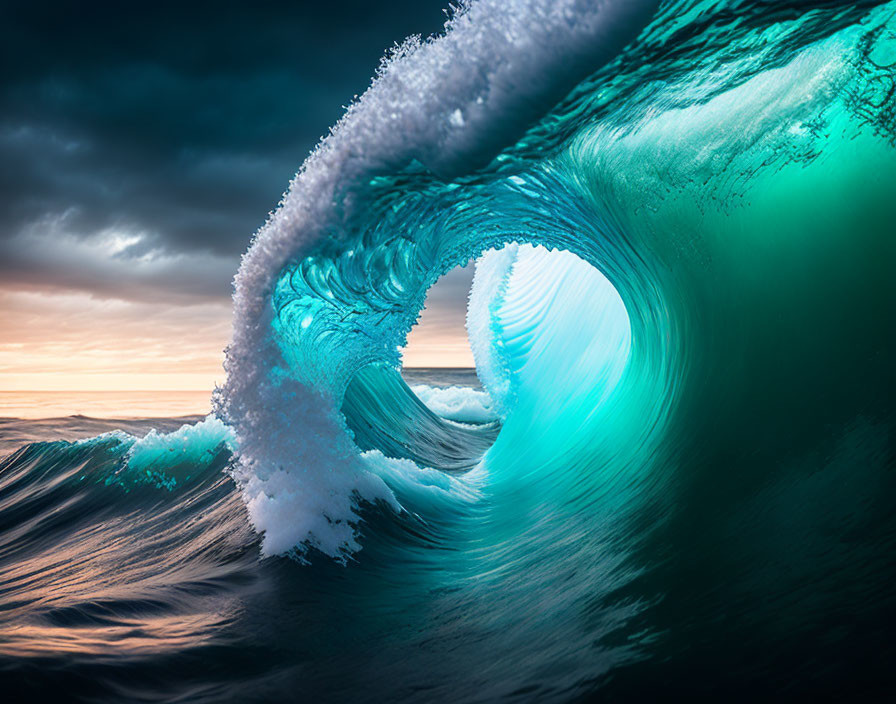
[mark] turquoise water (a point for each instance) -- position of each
(680, 480)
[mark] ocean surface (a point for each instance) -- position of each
(675, 475)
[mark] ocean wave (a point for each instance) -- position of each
(679, 476)
(458, 403)
(441, 102)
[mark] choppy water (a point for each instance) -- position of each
(680, 481)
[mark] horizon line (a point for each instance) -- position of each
(203, 390)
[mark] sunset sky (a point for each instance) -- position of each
(139, 151)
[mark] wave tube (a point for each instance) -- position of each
(320, 295)
(335, 280)
(682, 314)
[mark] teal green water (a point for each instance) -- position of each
(696, 428)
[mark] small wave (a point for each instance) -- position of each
(457, 403)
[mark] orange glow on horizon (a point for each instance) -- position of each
(74, 342)
(69, 341)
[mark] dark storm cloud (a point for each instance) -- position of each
(168, 131)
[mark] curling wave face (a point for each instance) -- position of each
(682, 317)
(665, 183)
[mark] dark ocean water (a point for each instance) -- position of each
(129, 571)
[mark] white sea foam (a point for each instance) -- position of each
(423, 485)
(191, 444)
(458, 403)
(450, 103)
(493, 271)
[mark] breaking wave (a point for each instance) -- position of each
(679, 474)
